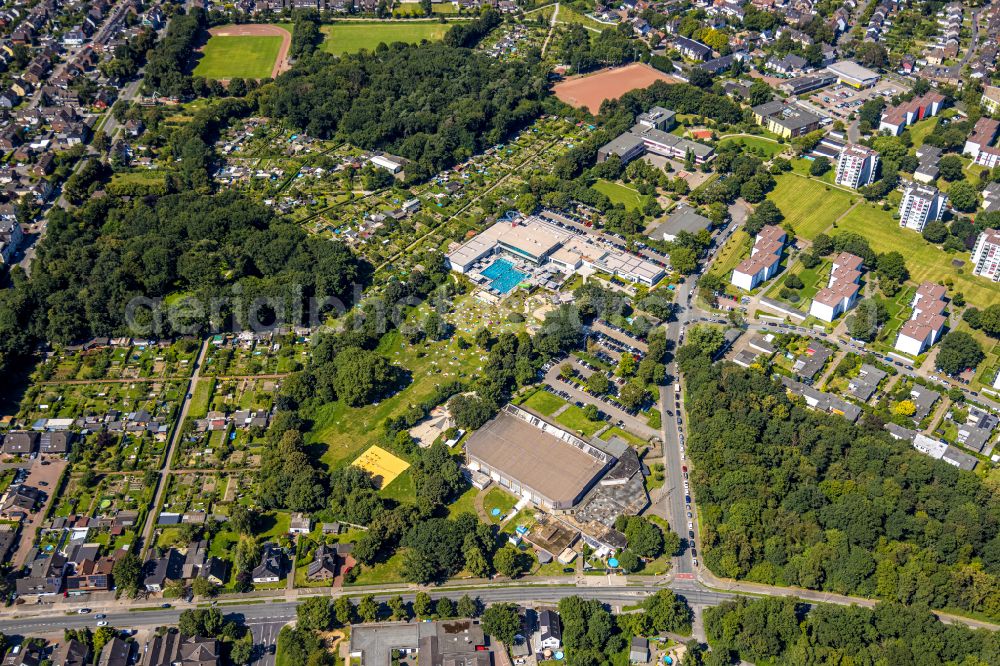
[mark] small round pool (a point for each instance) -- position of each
(495, 512)
(559, 656)
(613, 563)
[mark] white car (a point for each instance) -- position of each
(102, 623)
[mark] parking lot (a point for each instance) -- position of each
(42, 475)
(840, 101)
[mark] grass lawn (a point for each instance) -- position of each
(273, 525)
(736, 249)
(634, 440)
(619, 193)
(340, 432)
(243, 56)
(389, 571)
(200, 398)
(924, 261)
(568, 15)
(574, 419)
(759, 145)
(401, 489)
(808, 205)
(464, 503)
(497, 498)
(352, 37)
(544, 402)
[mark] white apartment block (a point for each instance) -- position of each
(986, 255)
(856, 166)
(927, 322)
(764, 260)
(841, 292)
(921, 204)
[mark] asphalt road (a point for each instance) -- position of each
(266, 619)
(265, 634)
(672, 431)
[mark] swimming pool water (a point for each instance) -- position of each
(503, 276)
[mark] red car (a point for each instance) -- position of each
(684, 468)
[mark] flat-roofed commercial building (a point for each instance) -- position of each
(852, 74)
(534, 459)
(785, 120)
(536, 241)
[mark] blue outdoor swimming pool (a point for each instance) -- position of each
(503, 276)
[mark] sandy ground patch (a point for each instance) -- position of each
(590, 90)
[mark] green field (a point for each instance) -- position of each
(808, 205)
(620, 194)
(544, 403)
(736, 249)
(760, 145)
(342, 38)
(924, 261)
(245, 57)
(574, 419)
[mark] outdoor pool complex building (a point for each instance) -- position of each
(535, 242)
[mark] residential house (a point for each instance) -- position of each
(174, 649)
(550, 630)
(300, 524)
(325, 564)
(272, 564)
(692, 49)
(821, 401)
(71, 653)
(164, 570)
(638, 650)
(45, 576)
(116, 652)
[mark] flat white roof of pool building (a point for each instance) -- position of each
(537, 240)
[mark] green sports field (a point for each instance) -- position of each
(808, 205)
(342, 38)
(248, 57)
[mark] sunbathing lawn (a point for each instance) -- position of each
(619, 193)
(924, 261)
(634, 440)
(340, 38)
(340, 433)
(498, 499)
(574, 419)
(544, 402)
(808, 205)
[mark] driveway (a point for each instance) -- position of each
(39, 475)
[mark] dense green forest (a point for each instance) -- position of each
(790, 496)
(786, 631)
(167, 63)
(433, 104)
(99, 257)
